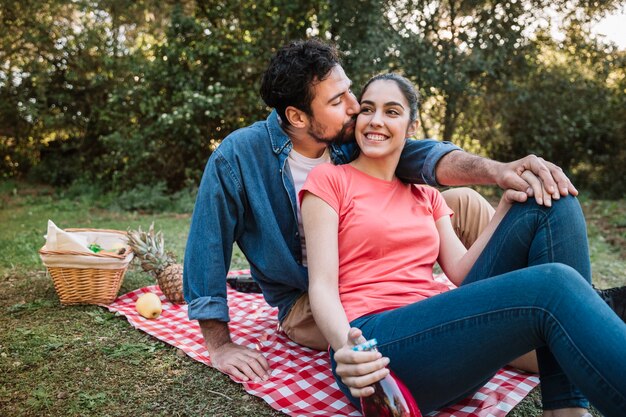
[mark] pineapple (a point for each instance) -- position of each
(149, 248)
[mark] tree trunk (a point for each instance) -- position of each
(450, 117)
(425, 129)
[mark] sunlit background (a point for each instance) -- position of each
(613, 27)
(133, 97)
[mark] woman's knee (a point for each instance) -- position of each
(558, 277)
(568, 204)
(567, 207)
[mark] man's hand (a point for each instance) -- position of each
(462, 168)
(359, 370)
(239, 361)
(242, 363)
(548, 182)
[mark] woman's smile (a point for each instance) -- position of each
(376, 137)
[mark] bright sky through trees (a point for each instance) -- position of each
(614, 28)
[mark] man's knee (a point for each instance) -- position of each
(299, 325)
(472, 213)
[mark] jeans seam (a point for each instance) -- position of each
(549, 239)
(583, 357)
(441, 326)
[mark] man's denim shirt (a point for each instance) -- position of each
(247, 196)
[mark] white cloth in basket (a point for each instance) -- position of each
(60, 241)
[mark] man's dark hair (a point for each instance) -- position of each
(293, 71)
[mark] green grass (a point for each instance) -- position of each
(85, 361)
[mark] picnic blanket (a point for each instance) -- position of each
(301, 382)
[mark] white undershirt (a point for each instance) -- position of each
(300, 167)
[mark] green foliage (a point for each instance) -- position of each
(167, 112)
(125, 95)
(568, 107)
(155, 199)
(191, 90)
(40, 399)
(134, 353)
(91, 401)
(146, 198)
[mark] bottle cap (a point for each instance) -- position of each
(367, 345)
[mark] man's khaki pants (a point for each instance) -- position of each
(471, 214)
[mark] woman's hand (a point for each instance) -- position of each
(539, 189)
(359, 370)
(536, 189)
(508, 198)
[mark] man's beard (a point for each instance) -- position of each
(346, 134)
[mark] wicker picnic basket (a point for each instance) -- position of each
(85, 277)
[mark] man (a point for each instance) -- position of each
(249, 187)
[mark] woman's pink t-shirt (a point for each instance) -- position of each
(388, 241)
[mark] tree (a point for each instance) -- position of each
(60, 61)
(570, 108)
(127, 93)
(140, 93)
(451, 49)
(199, 84)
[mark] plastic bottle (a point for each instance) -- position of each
(391, 398)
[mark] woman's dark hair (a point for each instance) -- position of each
(292, 72)
(406, 87)
(408, 91)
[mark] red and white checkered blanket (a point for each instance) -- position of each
(301, 382)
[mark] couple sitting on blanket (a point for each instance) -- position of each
(372, 238)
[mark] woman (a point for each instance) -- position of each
(524, 284)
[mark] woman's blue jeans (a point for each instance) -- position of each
(529, 289)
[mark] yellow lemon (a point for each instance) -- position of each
(149, 305)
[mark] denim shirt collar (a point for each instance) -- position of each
(279, 139)
(340, 154)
